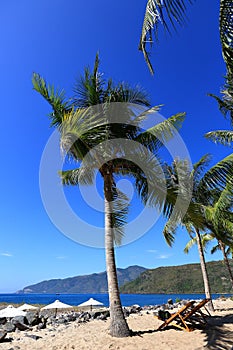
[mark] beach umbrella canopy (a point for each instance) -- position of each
(11, 311)
(57, 304)
(91, 302)
(25, 307)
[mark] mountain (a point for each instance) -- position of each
(181, 279)
(95, 283)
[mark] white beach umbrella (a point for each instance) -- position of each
(25, 307)
(57, 304)
(11, 311)
(91, 302)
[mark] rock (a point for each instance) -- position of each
(102, 317)
(163, 315)
(71, 317)
(84, 317)
(126, 312)
(33, 319)
(2, 320)
(43, 323)
(41, 326)
(21, 326)
(106, 313)
(62, 321)
(2, 336)
(8, 327)
(95, 314)
(20, 319)
(170, 302)
(33, 336)
(134, 309)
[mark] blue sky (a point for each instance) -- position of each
(58, 39)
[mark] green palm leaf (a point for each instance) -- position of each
(160, 11)
(224, 137)
(80, 176)
(54, 97)
(205, 239)
(226, 32)
(218, 175)
(119, 216)
(155, 137)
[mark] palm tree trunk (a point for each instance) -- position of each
(222, 247)
(204, 271)
(118, 325)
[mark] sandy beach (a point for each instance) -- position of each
(94, 334)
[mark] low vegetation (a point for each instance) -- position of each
(181, 279)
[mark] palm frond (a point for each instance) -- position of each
(200, 166)
(218, 175)
(190, 244)
(226, 103)
(157, 136)
(89, 89)
(54, 97)
(123, 92)
(160, 11)
(169, 232)
(224, 137)
(205, 239)
(226, 32)
(120, 207)
(81, 176)
(146, 171)
(225, 201)
(215, 249)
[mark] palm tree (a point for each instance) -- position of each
(226, 252)
(195, 219)
(88, 135)
(205, 239)
(171, 13)
(219, 222)
(224, 137)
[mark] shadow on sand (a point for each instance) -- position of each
(218, 335)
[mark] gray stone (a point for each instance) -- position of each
(85, 316)
(102, 317)
(2, 320)
(33, 319)
(8, 327)
(71, 317)
(62, 321)
(21, 326)
(95, 314)
(41, 326)
(33, 336)
(2, 336)
(20, 319)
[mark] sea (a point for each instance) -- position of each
(76, 299)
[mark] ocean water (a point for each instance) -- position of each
(76, 299)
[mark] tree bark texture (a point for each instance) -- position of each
(222, 247)
(118, 324)
(204, 271)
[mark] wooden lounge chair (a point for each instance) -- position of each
(187, 317)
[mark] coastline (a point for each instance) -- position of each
(76, 299)
(94, 334)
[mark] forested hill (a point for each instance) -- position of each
(137, 279)
(181, 279)
(94, 283)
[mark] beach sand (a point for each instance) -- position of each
(94, 335)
